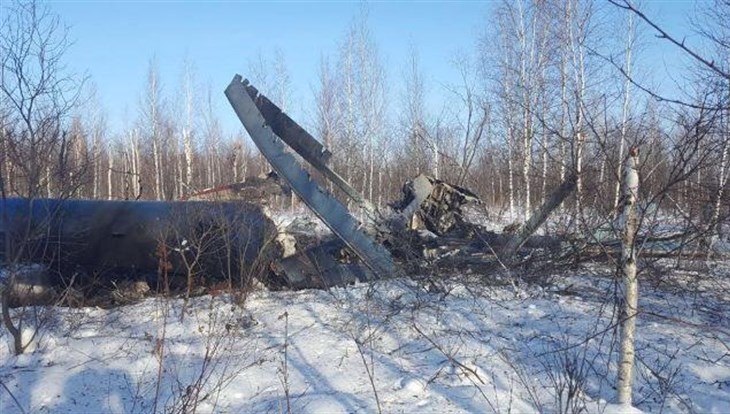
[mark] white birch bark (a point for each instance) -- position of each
(135, 161)
(152, 114)
(7, 163)
(236, 161)
(109, 174)
(563, 110)
(525, 57)
(97, 163)
(188, 131)
(630, 299)
(510, 175)
(435, 160)
(578, 57)
(722, 181)
(49, 191)
(156, 159)
(509, 138)
(626, 103)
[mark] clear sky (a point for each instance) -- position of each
(114, 42)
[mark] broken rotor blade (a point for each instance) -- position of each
(324, 205)
(304, 144)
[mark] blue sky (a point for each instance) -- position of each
(114, 42)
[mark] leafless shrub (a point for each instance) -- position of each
(567, 371)
(39, 155)
(662, 378)
(181, 387)
(218, 247)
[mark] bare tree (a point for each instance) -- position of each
(577, 17)
(213, 136)
(37, 93)
(270, 73)
(151, 117)
(524, 25)
(360, 109)
(413, 119)
(187, 132)
(712, 101)
(472, 120)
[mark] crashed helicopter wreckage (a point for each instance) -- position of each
(381, 236)
(104, 238)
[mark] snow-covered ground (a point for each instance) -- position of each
(398, 346)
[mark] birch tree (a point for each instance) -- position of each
(327, 118)
(716, 31)
(577, 16)
(361, 104)
(506, 82)
(188, 127)
(134, 176)
(628, 52)
(213, 136)
(151, 119)
(270, 75)
(96, 125)
(413, 118)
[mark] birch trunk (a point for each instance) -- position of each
(625, 109)
(97, 164)
(6, 163)
(544, 148)
(510, 175)
(526, 162)
(236, 162)
(156, 156)
(576, 32)
(563, 112)
(49, 192)
(136, 178)
(525, 59)
(436, 161)
(188, 132)
(722, 179)
(109, 175)
(630, 300)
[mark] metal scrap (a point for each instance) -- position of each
(434, 204)
(261, 190)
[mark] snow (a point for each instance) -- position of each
(621, 409)
(458, 346)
